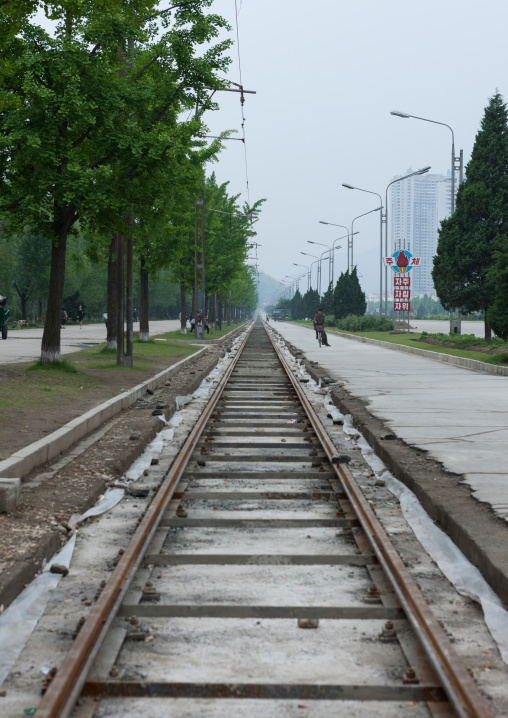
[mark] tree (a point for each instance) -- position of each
(327, 300)
(497, 314)
(470, 239)
(297, 306)
(86, 135)
(348, 297)
(311, 302)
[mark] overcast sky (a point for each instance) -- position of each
(327, 74)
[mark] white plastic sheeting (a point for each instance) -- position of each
(461, 573)
(19, 620)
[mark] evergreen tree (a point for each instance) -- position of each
(348, 297)
(469, 240)
(311, 302)
(327, 300)
(497, 314)
(297, 306)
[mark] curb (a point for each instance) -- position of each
(471, 364)
(40, 452)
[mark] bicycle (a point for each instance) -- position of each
(319, 332)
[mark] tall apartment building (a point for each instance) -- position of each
(416, 207)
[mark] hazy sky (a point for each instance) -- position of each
(327, 74)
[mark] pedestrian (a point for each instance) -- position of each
(105, 318)
(81, 314)
(135, 315)
(192, 323)
(64, 318)
(200, 318)
(206, 325)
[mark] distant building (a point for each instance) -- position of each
(416, 206)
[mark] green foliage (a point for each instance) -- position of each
(298, 306)
(366, 323)
(348, 297)
(92, 131)
(469, 240)
(327, 300)
(497, 314)
(461, 341)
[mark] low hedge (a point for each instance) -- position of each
(367, 323)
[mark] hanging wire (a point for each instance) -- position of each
(242, 101)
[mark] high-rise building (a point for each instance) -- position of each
(416, 207)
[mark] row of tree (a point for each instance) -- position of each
(471, 265)
(344, 299)
(102, 138)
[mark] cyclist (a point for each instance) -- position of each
(320, 321)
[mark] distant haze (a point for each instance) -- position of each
(327, 75)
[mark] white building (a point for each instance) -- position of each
(415, 208)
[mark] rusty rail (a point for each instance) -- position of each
(64, 690)
(457, 683)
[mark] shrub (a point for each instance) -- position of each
(367, 323)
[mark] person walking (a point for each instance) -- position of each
(135, 315)
(81, 314)
(319, 326)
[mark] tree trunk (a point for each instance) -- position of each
(219, 312)
(112, 303)
(50, 347)
(144, 330)
(183, 311)
(488, 330)
(24, 298)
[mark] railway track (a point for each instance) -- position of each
(260, 574)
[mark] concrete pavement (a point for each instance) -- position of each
(24, 345)
(459, 417)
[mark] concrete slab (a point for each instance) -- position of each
(458, 416)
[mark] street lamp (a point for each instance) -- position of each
(318, 279)
(422, 171)
(349, 186)
(330, 258)
(308, 273)
(337, 240)
(460, 158)
(353, 233)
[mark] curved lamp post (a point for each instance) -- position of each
(460, 158)
(359, 189)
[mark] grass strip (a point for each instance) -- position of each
(89, 375)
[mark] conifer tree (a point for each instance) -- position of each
(348, 297)
(497, 314)
(468, 241)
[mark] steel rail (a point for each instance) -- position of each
(457, 683)
(65, 689)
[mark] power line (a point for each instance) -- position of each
(242, 101)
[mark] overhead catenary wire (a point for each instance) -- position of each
(242, 101)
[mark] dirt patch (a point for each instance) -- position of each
(473, 526)
(72, 484)
(22, 425)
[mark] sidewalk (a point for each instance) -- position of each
(24, 345)
(459, 417)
